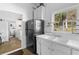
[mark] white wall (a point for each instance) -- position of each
(4, 31)
(9, 16)
(24, 9)
(50, 9)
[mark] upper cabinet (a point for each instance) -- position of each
(39, 13)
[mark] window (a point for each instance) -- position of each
(65, 21)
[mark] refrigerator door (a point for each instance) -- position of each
(29, 36)
(29, 32)
(30, 25)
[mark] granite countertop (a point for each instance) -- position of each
(64, 39)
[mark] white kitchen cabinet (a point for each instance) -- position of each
(62, 50)
(52, 48)
(48, 47)
(75, 52)
(45, 45)
(39, 13)
(45, 50)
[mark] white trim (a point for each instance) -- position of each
(11, 51)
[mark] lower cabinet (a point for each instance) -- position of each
(48, 47)
(45, 51)
(52, 48)
(75, 52)
(45, 47)
(62, 50)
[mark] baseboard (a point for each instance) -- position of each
(11, 51)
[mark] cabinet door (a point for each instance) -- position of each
(45, 45)
(58, 49)
(51, 48)
(75, 52)
(62, 50)
(45, 50)
(39, 13)
(36, 14)
(38, 45)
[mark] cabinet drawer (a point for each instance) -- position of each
(75, 52)
(38, 39)
(48, 43)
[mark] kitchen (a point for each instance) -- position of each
(63, 36)
(40, 28)
(61, 31)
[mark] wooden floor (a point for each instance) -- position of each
(12, 44)
(27, 52)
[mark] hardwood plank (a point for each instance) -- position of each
(12, 44)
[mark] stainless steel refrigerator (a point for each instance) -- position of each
(33, 27)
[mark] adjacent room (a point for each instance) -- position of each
(39, 29)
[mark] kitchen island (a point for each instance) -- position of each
(58, 44)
